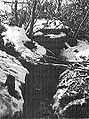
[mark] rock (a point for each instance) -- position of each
(40, 80)
(16, 38)
(72, 97)
(12, 75)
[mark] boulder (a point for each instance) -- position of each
(72, 97)
(12, 76)
(17, 39)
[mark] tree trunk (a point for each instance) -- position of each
(16, 14)
(30, 30)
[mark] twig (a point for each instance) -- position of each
(59, 65)
(50, 51)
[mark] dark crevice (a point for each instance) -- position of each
(10, 83)
(39, 89)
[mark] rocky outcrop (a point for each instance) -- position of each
(15, 42)
(72, 97)
(44, 70)
(12, 76)
(17, 38)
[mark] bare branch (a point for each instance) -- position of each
(86, 15)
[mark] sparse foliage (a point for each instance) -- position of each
(76, 16)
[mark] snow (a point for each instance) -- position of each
(83, 55)
(40, 49)
(38, 33)
(54, 24)
(17, 37)
(56, 36)
(47, 24)
(78, 53)
(39, 24)
(61, 92)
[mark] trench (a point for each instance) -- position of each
(39, 89)
(41, 83)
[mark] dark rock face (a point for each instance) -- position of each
(10, 83)
(39, 89)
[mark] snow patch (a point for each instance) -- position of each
(56, 36)
(38, 33)
(77, 53)
(40, 49)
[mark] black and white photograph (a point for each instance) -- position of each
(44, 59)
